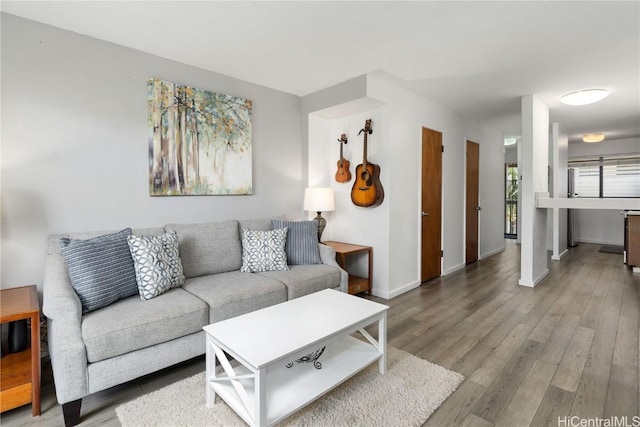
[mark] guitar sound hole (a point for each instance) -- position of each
(366, 177)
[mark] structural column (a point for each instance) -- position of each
(559, 159)
(534, 182)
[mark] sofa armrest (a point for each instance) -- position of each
(328, 257)
(63, 309)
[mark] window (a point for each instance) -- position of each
(607, 177)
(621, 179)
(511, 200)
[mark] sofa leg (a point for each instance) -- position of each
(71, 413)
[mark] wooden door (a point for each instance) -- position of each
(472, 204)
(431, 239)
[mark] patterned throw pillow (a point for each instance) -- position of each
(302, 241)
(263, 250)
(157, 263)
(100, 269)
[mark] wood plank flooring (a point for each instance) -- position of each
(568, 347)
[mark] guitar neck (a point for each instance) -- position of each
(364, 151)
(366, 130)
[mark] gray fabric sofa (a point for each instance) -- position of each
(134, 337)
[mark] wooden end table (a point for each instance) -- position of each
(20, 372)
(357, 284)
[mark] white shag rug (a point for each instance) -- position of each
(406, 395)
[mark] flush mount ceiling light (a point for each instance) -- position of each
(584, 97)
(510, 140)
(593, 137)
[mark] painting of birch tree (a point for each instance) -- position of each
(199, 141)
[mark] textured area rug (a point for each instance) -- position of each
(611, 249)
(406, 395)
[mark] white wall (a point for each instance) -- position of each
(602, 226)
(393, 228)
(492, 182)
(74, 144)
(608, 146)
(511, 154)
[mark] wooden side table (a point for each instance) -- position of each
(356, 284)
(20, 372)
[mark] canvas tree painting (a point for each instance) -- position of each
(199, 141)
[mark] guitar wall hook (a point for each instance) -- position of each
(343, 174)
(364, 129)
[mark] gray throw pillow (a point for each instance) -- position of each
(302, 241)
(100, 269)
(156, 260)
(263, 250)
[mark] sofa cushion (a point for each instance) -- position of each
(132, 324)
(156, 260)
(101, 269)
(234, 293)
(208, 248)
(301, 280)
(302, 241)
(264, 250)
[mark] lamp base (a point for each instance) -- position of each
(322, 223)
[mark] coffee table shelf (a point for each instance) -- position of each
(290, 389)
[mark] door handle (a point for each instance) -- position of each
(478, 208)
(425, 213)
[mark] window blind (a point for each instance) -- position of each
(617, 176)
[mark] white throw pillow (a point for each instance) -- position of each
(264, 250)
(156, 260)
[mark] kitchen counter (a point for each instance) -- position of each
(588, 203)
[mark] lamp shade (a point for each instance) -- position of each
(319, 199)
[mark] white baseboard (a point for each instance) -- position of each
(401, 290)
(559, 257)
(490, 253)
(454, 269)
(537, 280)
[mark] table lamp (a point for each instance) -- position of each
(319, 199)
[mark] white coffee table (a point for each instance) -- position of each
(261, 389)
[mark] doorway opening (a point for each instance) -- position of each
(511, 200)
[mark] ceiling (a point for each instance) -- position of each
(476, 58)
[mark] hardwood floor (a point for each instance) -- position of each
(568, 347)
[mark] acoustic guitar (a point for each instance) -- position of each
(343, 174)
(367, 189)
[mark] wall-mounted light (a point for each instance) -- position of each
(593, 137)
(584, 97)
(510, 140)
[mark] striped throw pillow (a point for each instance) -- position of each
(100, 269)
(302, 241)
